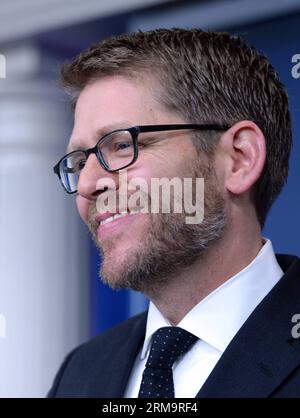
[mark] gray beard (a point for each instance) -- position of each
(171, 246)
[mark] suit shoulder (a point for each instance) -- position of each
(289, 263)
(112, 337)
(94, 356)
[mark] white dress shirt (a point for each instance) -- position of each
(215, 321)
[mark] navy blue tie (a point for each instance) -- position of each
(168, 344)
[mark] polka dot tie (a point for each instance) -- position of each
(168, 344)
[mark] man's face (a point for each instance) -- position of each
(144, 250)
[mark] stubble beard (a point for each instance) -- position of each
(171, 245)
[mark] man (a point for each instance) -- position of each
(184, 104)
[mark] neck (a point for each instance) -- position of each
(222, 261)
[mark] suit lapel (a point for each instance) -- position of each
(263, 352)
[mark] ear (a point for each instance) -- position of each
(245, 150)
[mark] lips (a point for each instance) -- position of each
(104, 218)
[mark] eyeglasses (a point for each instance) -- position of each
(115, 151)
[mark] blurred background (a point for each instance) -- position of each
(50, 296)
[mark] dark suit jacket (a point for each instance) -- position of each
(262, 360)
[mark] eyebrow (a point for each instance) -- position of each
(99, 134)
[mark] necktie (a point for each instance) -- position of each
(168, 344)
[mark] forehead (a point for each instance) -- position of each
(112, 98)
(114, 102)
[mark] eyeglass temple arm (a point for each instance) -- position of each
(156, 128)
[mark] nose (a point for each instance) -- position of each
(88, 183)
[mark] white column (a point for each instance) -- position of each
(43, 246)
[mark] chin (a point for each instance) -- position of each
(117, 264)
(111, 277)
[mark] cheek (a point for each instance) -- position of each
(82, 206)
(142, 171)
(153, 166)
(170, 161)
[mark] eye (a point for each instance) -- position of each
(80, 165)
(118, 144)
(76, 166)
(122, 145)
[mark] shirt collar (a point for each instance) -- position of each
(218, 317)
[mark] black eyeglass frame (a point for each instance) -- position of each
(135, 131)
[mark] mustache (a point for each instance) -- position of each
(119, 201)
(118, 206)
